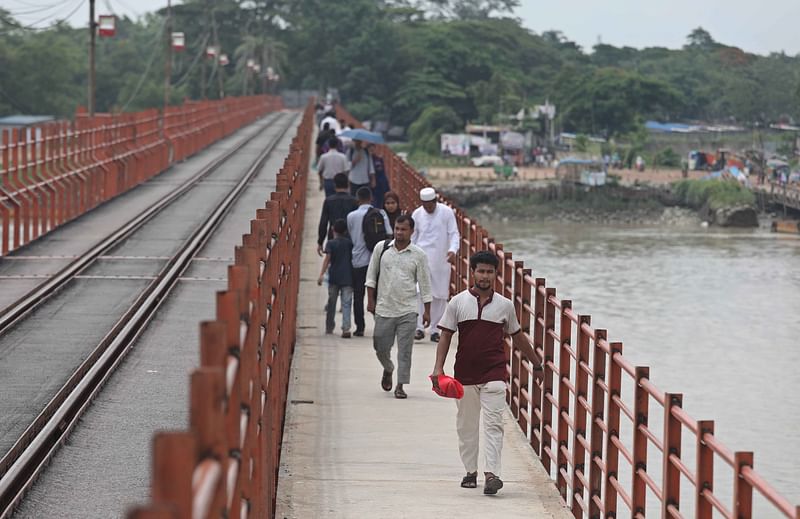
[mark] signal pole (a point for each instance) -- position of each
(168, 59)
(92, 35)
(218, 67)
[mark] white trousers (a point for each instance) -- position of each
(438, 307)
(489, 400)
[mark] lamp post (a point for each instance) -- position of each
(92, 35)
(168, 58)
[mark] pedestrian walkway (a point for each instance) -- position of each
(353, 450)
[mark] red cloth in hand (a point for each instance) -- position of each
(448, 387)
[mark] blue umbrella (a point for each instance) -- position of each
(363, 135)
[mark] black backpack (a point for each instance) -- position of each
(374, 228)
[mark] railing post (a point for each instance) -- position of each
(546, 311)
(174, 456)
(535, 391)
(564, 371)
(579, 417)
(207, 422)
(672, 447)
(705, 470)
(612, 424)
(499, 282)
(640, 414)
(213, 351)
(742, 490)
(598, 416)
(515, 388)
(508, 275)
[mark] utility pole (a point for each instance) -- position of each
(92, 35)
(168, 59)
(203, 77)
(217, 66)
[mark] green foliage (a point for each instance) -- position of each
(612, 101)
(426, 91)
(668, 157)
(46, 72)
(426, 130)
(581, 143)
(42, 73)
(394, 59)
(463, 9)
(700, 39)
(715, 193)
(787, 145)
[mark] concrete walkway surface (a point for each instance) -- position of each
(352, 450)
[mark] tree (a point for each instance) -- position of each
(424, 89)
(392, 59)
(700, 39)
(463, 9)
(581, 143)
(609, 56)
(501, 95)
(612, 102)
(46, 73)
(425, 132)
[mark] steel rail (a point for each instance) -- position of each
(61, 415)
(30, 301)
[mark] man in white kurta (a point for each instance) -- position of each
(436, 233)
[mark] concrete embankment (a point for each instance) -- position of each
(550, 201)
(622, 204)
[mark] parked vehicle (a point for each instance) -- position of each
(487, 160)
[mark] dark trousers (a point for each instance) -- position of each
(354, 187)
(359, 278)
(330, 188)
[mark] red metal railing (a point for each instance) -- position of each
(226, 465)
(52, 173)
(573, 417)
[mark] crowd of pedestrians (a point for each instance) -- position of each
(402, 260)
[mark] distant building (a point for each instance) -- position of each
(657, 127)
(23, 121)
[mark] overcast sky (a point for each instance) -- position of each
(761, 26)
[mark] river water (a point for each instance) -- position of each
(714, 312)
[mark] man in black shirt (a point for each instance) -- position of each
(324, 136)
(336, 206)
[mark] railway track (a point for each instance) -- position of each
(23, 462)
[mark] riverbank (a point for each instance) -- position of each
(548, 202)
(644, 204)
(452, 176)
(506, 210)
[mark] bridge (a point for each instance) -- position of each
(778, 195)
(163, 354)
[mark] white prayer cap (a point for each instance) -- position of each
(426, 194)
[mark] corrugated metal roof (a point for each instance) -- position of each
(25, 120)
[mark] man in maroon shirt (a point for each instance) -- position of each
(482, 319)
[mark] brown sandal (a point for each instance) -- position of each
(492, 485)
(470, 480)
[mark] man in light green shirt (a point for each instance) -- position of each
(392, 278)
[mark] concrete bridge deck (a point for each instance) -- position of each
(353, 450)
